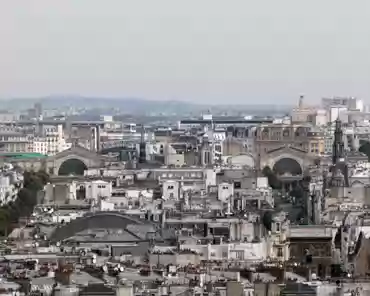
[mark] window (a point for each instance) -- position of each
(280, 252)
(170, 187)
(277, 226)
(239, 255)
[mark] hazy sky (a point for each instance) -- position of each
(220, 51)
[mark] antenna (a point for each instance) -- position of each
(142, 134)
(142, 149)
(300, 102)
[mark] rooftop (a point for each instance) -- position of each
(20, 155)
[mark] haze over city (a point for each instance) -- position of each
(206, 51)
(184, 148)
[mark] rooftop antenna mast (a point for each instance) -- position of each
(300, 103)
(142, 146)
(142, 134)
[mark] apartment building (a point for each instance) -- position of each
(316, 142)
(12, 140)
(51, 141)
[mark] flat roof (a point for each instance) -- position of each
(225, 121)
(21, 155)
(54, 122)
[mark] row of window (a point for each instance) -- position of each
(13, 139)
(187, 175)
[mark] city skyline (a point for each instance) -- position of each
(239, 52)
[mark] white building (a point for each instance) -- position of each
(337, 112)
(130, 198)
(225, 191)
(321, 118)
(328, 139)
(171, 190)
(172, 157)
(13, 140)
(350, 103)
(106, 206)
(52, 141)
(9, 186)
(98, 189)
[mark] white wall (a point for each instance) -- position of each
(106, 206)
(171, 190)
(238, 251)
(52, 141)
(335, 112)
(225, 191)
(8, 191)
(57, 218)
(321, 118)
(211, 177)
(97, 189)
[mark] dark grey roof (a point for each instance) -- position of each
(107, 220)
(105, 235)
(97, 289)
(298, 289)
(141, 231)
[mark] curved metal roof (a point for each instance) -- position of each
(107, 220)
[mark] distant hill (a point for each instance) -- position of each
(133, 105)
(126, 105)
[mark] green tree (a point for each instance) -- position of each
(267, 220)
(273, 180)
(365, 148)
(33, 181)
(4, 222)
(297, 192)
(25, 201)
